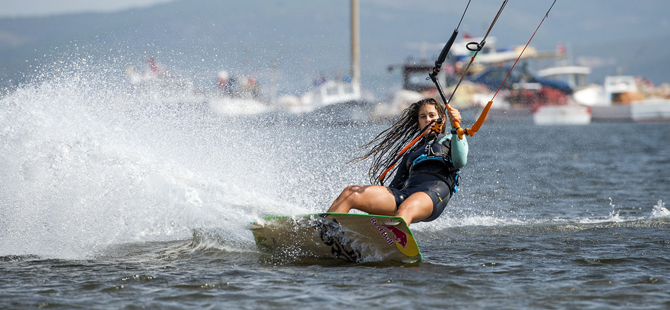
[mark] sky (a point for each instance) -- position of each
(591, 30)
(25, 8)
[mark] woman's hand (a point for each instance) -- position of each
(454, 117)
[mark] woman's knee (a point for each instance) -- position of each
(353, 193)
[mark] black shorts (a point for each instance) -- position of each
(438, 190)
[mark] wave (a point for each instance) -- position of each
(659, 217)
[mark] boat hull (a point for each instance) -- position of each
(562, 115)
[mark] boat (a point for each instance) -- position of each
(524, 93)
(416, 86)
(323, 94)
(231, 106)
(626, 98)
(569, 114)
(238, 97)
(565, 111)
(158, 85)
(575, 76)
(337, 100)
(622, 98)
(518, 97)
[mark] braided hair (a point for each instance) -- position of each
(386, 145)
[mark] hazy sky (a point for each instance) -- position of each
(22, 8)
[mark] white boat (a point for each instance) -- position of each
(574, 75)
(569, 114)
(624, 98)
(238, 97)
(650, 110)
(323, 95)
(331, 101)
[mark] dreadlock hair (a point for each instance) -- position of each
(388, 143)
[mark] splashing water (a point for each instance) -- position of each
(88, 160)
(660, 210)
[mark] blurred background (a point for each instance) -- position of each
(280, 50)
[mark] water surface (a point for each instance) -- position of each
(117, 198)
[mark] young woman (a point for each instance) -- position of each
(427, 175)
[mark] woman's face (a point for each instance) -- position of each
(427, 113)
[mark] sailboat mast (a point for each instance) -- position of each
(355, 50)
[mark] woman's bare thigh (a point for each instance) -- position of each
(416, 207)
(373, 199)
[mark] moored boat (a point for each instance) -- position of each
(569, 114)
(626, 98)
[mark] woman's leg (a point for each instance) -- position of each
(416, 207)
(372, 199)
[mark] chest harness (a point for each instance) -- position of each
(435, 158)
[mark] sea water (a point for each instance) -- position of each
(123, 197)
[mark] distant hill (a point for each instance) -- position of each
(289, 43)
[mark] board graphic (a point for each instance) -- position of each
(344, 236)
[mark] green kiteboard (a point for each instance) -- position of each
(344, 236)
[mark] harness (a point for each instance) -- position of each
(435, 159)
(431, 154)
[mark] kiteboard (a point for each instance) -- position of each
(348, 237)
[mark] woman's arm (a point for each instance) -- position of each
(459, 150)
